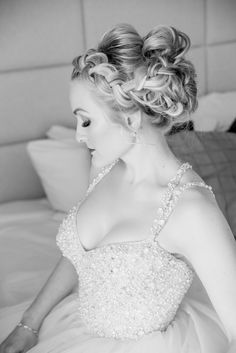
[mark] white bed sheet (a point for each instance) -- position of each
(28, 251)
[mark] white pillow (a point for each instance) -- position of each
(64, 169)
(59, 132)
(216, 111)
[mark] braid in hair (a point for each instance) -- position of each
(149, 73)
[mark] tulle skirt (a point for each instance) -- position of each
(195, 329)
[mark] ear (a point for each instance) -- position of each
(134, 120)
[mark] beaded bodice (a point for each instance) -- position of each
(128, 289)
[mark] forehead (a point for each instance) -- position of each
(81, 96)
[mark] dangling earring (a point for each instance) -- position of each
(132, 133)
(136, 136)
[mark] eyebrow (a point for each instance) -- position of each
(79, 109)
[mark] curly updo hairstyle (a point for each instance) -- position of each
(150, 73)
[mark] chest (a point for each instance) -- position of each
(113, 213)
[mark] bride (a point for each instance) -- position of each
(148, 260)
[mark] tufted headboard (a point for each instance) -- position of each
(39, 39)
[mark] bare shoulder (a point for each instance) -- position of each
(201, 221)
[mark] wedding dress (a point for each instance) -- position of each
(132, 296)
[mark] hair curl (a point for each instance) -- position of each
(150, 73)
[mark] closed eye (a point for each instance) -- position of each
(86, 123)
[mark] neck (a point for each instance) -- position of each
(152, 162)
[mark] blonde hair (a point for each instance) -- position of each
(130, 72)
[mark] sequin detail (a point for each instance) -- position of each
(128, 289)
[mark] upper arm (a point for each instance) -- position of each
(208, 243)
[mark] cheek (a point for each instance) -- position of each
(106, 136)
(103, 135)
(117, 138)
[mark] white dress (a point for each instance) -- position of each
(132, 296)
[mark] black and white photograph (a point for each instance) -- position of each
(117, 176)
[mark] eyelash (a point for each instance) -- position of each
(86, 123)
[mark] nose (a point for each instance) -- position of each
(80, 137)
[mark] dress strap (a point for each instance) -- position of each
(104, 171)
(174, 182)
(165, 211)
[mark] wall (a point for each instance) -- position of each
(39, 39)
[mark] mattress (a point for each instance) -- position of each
(28, 251)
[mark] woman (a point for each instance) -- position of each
(147, 250)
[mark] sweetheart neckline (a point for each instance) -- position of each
(148, 239)
(171, 186)
(181, 170)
